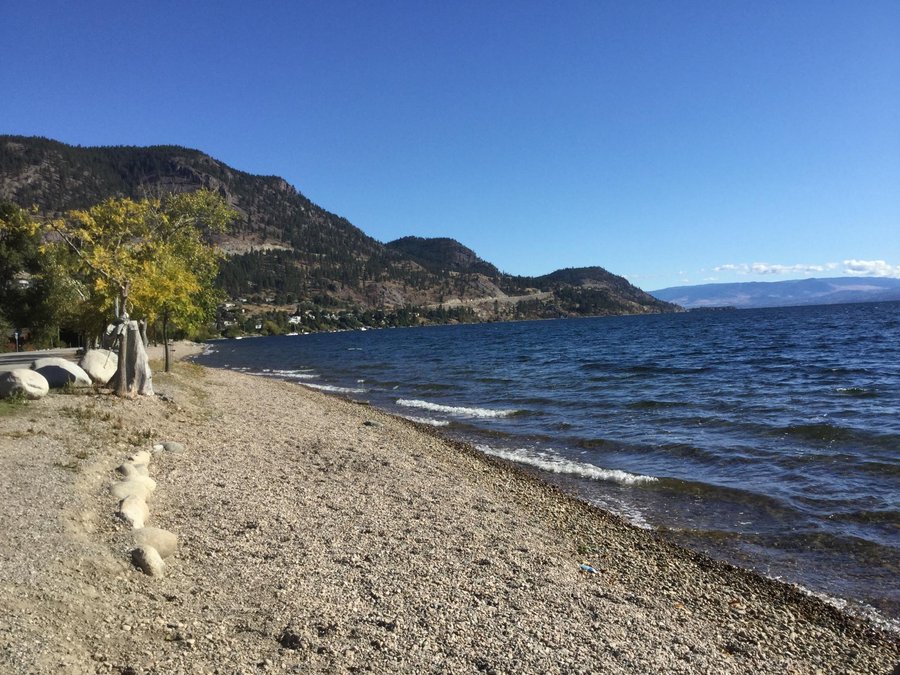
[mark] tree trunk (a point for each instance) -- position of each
(165, 322)
(133, 377)
(143, 326)
(121, 379)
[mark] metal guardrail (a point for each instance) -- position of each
(13, 360)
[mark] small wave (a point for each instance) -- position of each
(653, 369)
(289, 374)
(556, 464)
(436, 387)
(857, 392)
(354, 349)
(426, 420)
(651, 404)
(852, 607)
(818, 432)
(593, 443)
(494, 380)
(300, 373)
(454, 410)
(629, 513)
(334, 390)
(598, 366)
(888, 517)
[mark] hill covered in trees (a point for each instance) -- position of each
(284, 250)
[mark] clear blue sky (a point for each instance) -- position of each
(671, 142)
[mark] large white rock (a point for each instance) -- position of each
(22, 380)
(144, 479)
(134, 511)
(60, 372)
(130, 488)
(100, 365)
(163, 541)
(129, 470)
(140, 457)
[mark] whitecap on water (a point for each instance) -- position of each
(547, 461)
(332, 389)
(299, 373)
(426, 420)
(454, 410)
(302, 374)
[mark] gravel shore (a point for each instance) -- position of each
(320, 535)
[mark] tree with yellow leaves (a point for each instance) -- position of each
(150, 259)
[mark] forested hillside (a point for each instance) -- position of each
(285, 250)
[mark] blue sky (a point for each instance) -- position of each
(671, 142)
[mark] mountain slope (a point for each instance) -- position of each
(440, 254)
(286, 249)
(746, 295)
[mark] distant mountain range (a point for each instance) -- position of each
(285, 249)
(746, 295)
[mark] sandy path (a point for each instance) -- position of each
(321, 535)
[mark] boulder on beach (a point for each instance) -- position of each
(140, 457)
(134, 511)
(60, 372)
(130, 470)
(128, 488)
(31, 384)
(100, 365)
(163, 541)
(148, 560)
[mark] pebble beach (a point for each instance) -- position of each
(317, 534)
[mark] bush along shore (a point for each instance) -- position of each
(316, 534)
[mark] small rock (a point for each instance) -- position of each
(165, 542)
(148, 560)
(290, 639)
(168, 446)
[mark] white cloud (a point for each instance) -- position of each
(770, 268)
(870, 268)
(850, 267)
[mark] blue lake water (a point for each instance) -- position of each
(769, 438)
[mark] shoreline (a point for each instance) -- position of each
(829, 604)
(852, 610)
(321, 534)
(701, 438)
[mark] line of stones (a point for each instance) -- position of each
(133, 488)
